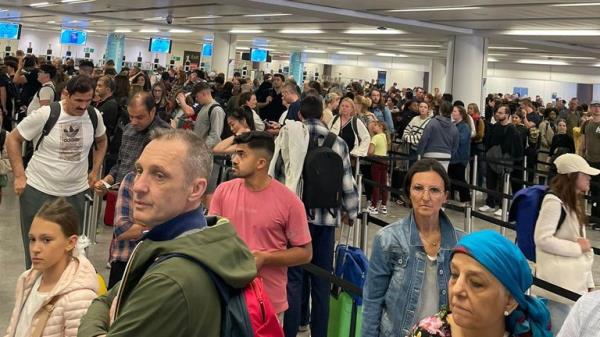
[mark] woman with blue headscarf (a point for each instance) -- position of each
(486, 293)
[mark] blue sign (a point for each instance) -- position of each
(115, 49)
(160, 45)
(258, 55)
(11, 31)
(522, 92)
(207, 50)
(73, 37)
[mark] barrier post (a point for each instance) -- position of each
(356, 236)
(525, 172)
(364, 232)
(95, 211)
(505, 190)
(469, 220)
(359, 188)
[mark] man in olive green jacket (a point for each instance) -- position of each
(175, 297)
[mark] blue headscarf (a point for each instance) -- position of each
(505, 261)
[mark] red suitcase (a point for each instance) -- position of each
(109, 211)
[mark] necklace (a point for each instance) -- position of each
(434, 244)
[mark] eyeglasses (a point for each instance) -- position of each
(434, 192)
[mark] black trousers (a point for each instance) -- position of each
(493, 181)
(457, 173)
(117, 269)
(595, 193)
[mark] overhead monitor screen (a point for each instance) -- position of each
(207, 49)
(160, 45)
(73, 37)
(258, 55)
(11, 31)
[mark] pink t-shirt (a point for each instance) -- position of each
(268, 220)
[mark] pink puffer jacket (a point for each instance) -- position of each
(77, 288)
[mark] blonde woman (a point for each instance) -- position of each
(331, 102)
(351, 129)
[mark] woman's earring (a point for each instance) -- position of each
(506, 313)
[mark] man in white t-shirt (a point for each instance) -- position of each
(47, 92)
(59, 166)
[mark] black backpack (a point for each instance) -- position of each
(226, 132)
(55, 109)
(322, 174)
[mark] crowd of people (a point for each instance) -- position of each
(213, 179)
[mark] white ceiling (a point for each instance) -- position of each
(425, 32)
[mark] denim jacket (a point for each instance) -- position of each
(384, 116)
(396, 275)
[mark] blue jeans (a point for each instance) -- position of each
(323, 238)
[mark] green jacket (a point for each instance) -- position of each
(175, 297)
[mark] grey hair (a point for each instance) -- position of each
(198, 162)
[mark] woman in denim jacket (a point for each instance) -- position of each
(409, 267)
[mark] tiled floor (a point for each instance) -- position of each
(11, 249)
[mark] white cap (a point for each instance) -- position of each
(570, 163)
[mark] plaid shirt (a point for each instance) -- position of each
(120, 250)
(324, 217)
(132, 144)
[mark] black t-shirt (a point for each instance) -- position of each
(6, 82)
(31, 87)
(109, 108)
(293, 111)
(347, 134)
(274, 109)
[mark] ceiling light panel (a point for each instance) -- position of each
(203, 17)
(265, 15)
(245, 31)
(553, 32)
(314, 51)
(507, 48)
(544, 62)
(435, 9)
(374, 31)
(301, 31)
(577, 4)
(391, 55)
(349, 52)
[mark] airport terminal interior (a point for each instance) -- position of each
(530, 67)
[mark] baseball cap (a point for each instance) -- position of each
(595, 102)
(570, 163)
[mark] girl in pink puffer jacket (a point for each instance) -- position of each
(56, 292)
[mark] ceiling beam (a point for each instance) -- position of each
(335, 13)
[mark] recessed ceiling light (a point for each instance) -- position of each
(597, 65)
(74, 21)
(51, 22)
(300, 31)
(496, 54)
(96, 21)
(314, 51)
(75, 1)
(421, 45)
(435, 9)
(156, 18)
(41, 4)
(180, 31)
(204, 17)
(122, 30)
(349, 52)
(569, 57)
(149, 30)
(422, 51)
(391, 55)
(358, 43)
(245, 31)
(553, 32)
(507, 48)
(242, 48)
(374, 31)
(266, 14)
(491, 59)
(544, 62)
(577, 4)
(90, 31)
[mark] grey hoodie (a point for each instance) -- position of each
(440, 135)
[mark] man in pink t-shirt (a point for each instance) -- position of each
(269, 217)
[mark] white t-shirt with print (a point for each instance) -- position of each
(59, 167)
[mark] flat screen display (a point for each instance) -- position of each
(258, 55)
(207, 50)
(73, 37)
(10, 31)
(160, 45)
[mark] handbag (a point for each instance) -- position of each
(45, 313)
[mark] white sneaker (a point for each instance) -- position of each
(485, 208)
(383, 209)
(498, 212)
(372, 210)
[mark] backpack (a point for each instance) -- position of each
(524, 210)
(56, 97)
(244, 312)
(55, 109)
(322, 174)
(226, 132)
(354, 122)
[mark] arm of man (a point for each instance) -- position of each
(187, 109)
(14, 143)
(19, 77)
(289, 257)
(98, 158)
(96, 320)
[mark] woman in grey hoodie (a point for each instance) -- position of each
(440, 137)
